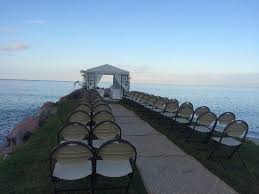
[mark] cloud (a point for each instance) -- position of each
(36, 21)
(13, 47)
(6, 29)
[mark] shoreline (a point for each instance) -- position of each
(22, 131)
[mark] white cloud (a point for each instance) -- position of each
(36, 21)
(15, 46)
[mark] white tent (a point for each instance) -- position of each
(120, 79)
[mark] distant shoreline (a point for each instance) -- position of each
(35, 80)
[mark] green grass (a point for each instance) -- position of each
(27, 170)
(242, 179)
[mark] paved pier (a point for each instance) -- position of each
(164, 167)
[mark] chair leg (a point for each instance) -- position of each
(92, 185)
(214, 149)
(170, 130)
(189, 136)
(155, 118)
(233, 152)
(207, 138)
(243, 162)
(184, 128)
(130, 179)
(54, 185)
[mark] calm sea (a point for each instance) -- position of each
(19, 99)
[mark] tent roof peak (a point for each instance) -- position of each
(107, 69)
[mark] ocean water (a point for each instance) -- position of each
(243, 101)
(19, 99)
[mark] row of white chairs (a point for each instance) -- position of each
(222, 130)
(90, 145)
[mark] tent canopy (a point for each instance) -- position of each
(107, 70)
(120, 77)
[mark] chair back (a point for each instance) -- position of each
(237, 128)
(152, 100)
(84, 100)
(135, 95)
(139, 96)
(79, 116)
(172, 106)
(84, 107)
(73, 132)
(185, 112)
(160, 103)
(94, 98)
(186, 104)
(103, 116)
(145, 98)
(117, 150)
(207, 119)
(201, 110)
(165, 99)
(102, 107)
(107, 130)
(97, 102)
(71, 152)
(132, 94)
(226, 118)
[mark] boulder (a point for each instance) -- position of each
(77, 94)
(28, 124)
(48, 108)
(24, 129)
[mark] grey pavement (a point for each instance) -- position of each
(164, 167)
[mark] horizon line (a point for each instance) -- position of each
(177, 84)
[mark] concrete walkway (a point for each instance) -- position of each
(164, 167)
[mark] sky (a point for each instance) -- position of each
(158, 41)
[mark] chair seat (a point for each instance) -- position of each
(85, 141)
(220, 128)
(159, 110)
(168, 114)
(111, 168)
(73, 171)
(148, 106)
(98, 142)
(143, 103)
(194, 119)
(182, 120)
(201, 129)
(229, 141)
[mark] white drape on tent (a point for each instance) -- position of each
(124, 85)
(98, 78)
(89, 77)
(93, 76)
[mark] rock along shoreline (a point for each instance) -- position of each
(25, 128)
(29, 125)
